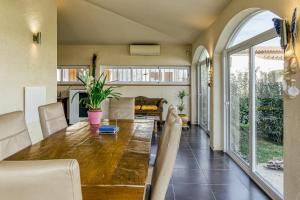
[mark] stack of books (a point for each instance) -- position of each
(108, 129)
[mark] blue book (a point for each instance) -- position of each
(108, 129)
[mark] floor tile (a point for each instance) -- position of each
(188, 176)
(210, 164)
(221, 177)
(186, 163)
(231, 192)
(185, 153)
(193, 192)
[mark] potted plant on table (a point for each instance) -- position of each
(181, 107)
(97, 92)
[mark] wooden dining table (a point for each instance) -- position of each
(112, 167)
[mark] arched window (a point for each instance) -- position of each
(203, 55)
(253, 26)
(254, 100)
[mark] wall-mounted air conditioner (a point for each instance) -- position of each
(144, 50)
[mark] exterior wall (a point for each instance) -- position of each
(23, 63)
(119, 55)
(215, 40)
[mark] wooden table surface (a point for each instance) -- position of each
(112, 167)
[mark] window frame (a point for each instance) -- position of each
(62, 67)
(158, 67)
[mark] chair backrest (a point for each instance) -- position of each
(122, 108)
(166, 158)
(52, 118)
(40, 179)
(14, 135)
(166, 127)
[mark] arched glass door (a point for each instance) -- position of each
(254, 101)
(203, 91)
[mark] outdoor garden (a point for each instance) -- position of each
(269, 115)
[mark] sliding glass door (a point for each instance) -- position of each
(255, 109)
(239, 104)
(269, 112)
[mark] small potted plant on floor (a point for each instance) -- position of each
(97, 92)
(181, 107)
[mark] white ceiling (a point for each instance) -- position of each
(135, 21)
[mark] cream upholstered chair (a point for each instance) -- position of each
(14, 135)
(36, 180)
(122, 108)
(52, 118)
(166, 127)
(161, 139)
(166, 158)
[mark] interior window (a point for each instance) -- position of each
(67, 74)
(147, 75)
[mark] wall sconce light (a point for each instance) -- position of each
(287, 31)
(210, 72)
(37, 38)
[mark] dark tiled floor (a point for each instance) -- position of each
(201, 174)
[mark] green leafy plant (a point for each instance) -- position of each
(97, 92)
(181, 95)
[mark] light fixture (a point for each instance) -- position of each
(37, 38)
(210, 72)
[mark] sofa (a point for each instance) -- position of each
(145, 106)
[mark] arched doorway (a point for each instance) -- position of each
(254, 100)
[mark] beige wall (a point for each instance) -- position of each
(23, 63)
(119, 55)
(214, 39)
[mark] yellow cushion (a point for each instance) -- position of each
(149, 107)
(137, 107)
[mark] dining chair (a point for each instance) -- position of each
(166, 158)
(14, 135)
(161, 139)
(52, 118)
(122, 108)
(166, 127)
(36, 180)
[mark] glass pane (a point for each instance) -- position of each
(204, 55)
(82, 72)
(239, 104)
(167, 75)
(124, 75)
(70, 75)
(181, 75)
(58, 75)
(65, 75)
(204, 96)
(145, 75)
(257, 24)
(199, 94)
(269, 112)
